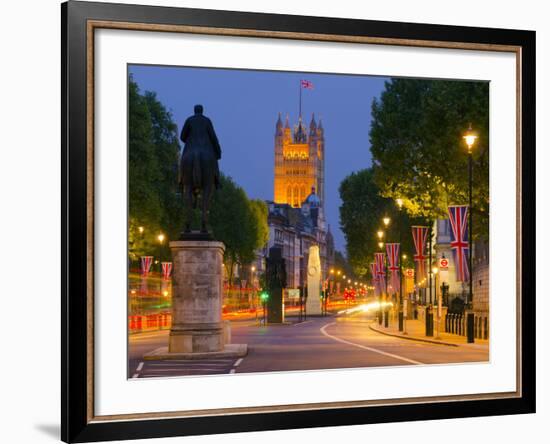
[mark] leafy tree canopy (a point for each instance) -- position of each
(419, 154)
(240, 223)
(153, 151)
(361, 214)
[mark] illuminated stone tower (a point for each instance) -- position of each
(299, 162)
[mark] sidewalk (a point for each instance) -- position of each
(416, 331)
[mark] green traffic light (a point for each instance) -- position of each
(264, 296)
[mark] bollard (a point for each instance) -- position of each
(429, 324)
(470, 327)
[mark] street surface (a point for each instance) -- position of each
(330, 342)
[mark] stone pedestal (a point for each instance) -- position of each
(198, 331)
(313, 303)
(197, 297)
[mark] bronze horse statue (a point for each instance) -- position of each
(199, 173)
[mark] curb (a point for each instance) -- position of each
(414, 338)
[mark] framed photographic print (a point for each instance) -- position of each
(275, 221)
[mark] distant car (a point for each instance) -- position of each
(349, 295)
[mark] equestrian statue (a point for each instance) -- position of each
(199, 173)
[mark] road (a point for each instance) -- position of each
(318, 343)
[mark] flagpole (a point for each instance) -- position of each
(300, 107)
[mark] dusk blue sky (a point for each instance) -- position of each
(244, 105)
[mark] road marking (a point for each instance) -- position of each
(302, 322)
(238, 362)
(364, 347)
(232, 371)
(139, 367)
(190, 364)
(195, 369)
(136, 375)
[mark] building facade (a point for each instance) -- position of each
(299, 162)
(296, 216)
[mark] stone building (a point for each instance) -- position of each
(296, 216)
(299, 162)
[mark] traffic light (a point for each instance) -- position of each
(264, 296)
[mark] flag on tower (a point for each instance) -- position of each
(392, 250)
(420, 234)
(458, 216)
(306, 84)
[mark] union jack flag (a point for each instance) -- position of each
(374, 279)
(392, 250)
(166, 270)
(379, 259)
(458, 216)
(146, 262)
(306, 84)
(420, 234)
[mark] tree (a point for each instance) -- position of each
(260, 211)
(239, 223)
(361, 215)
(167, 149)
(153, 152)
(418, 151)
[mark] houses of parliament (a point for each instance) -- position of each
(296, 216)
(299, 162)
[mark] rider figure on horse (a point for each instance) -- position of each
(198, 171)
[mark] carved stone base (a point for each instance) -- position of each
(197, 297)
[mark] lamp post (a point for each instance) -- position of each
(160, 238)
(400, 310)
(386, 220)
(470, 138)
(438, 296)
(380, 235)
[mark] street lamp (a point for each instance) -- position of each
(380, 234)
(386, 221)
(400, 308)
(470, 138)
(380, 245)
(435, 270)
(160, 238)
